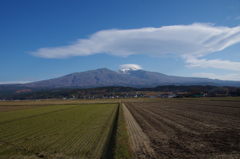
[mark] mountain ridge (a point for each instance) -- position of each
(132, 78)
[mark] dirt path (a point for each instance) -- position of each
(139, 141)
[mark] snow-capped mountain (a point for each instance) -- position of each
(129, 77)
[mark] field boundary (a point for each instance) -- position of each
(108, 149)
(122, 148)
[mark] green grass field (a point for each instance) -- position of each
(58, 131)
(122, 148)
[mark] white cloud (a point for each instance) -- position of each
(217, 63)
(233, 77)
(130, 66)
(185, 41)
(15, 82)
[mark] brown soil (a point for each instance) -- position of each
(190, 129)
(139, 141)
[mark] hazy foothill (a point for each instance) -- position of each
(105, 83)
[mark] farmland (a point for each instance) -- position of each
(115, 128)
(185, 128)
(56, 131)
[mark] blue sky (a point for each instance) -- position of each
(44, 39)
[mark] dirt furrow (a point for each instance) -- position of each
(181, 131)
(139, 141)
(194, 114)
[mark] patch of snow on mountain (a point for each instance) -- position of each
(128, 67)
(126, 70)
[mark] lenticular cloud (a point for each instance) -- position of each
(186, 41)
(135, 66)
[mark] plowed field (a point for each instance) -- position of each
(139, 141)
(188, 129)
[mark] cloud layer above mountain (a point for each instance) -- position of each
(135, 66)
(190, 42)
